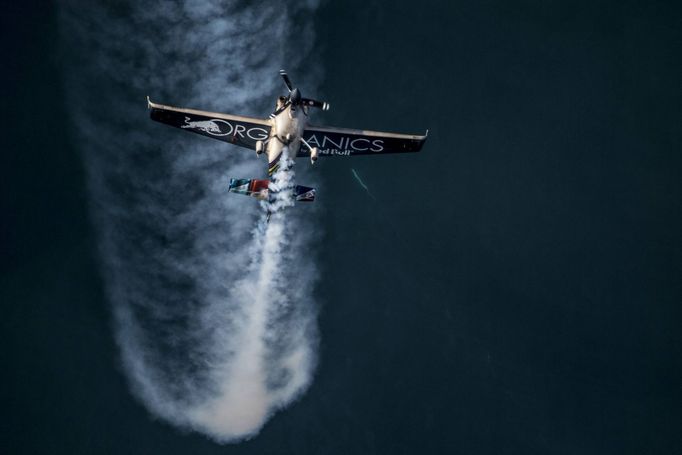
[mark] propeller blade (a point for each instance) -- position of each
(287, 81)
(314, 103)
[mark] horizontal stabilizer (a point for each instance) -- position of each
(260, 189)
(250, 187)
(304, 193)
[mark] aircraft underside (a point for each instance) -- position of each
(287, 127)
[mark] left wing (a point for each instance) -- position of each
(235, 129)
(347, 142)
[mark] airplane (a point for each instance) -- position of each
(286, 128)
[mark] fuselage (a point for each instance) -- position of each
(287, 130)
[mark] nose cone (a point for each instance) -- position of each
(295, 97)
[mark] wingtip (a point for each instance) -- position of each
(149, 103)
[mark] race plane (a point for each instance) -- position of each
(287, 127)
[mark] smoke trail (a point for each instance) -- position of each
(213, 316)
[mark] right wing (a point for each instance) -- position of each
(235, 129)
(347, 142)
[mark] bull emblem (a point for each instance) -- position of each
(207, 126)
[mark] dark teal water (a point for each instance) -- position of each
(515, 288)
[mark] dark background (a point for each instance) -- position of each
(515, 288)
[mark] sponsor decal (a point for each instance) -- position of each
(220, 127)
(335, 152)
(344, 145)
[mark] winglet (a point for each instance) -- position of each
(426, 135)
(149, 103)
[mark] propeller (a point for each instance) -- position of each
(294, 99)
(287, 81)
(314, 103)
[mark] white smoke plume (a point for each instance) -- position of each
(212, 305)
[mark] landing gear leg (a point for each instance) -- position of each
(314, 152)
